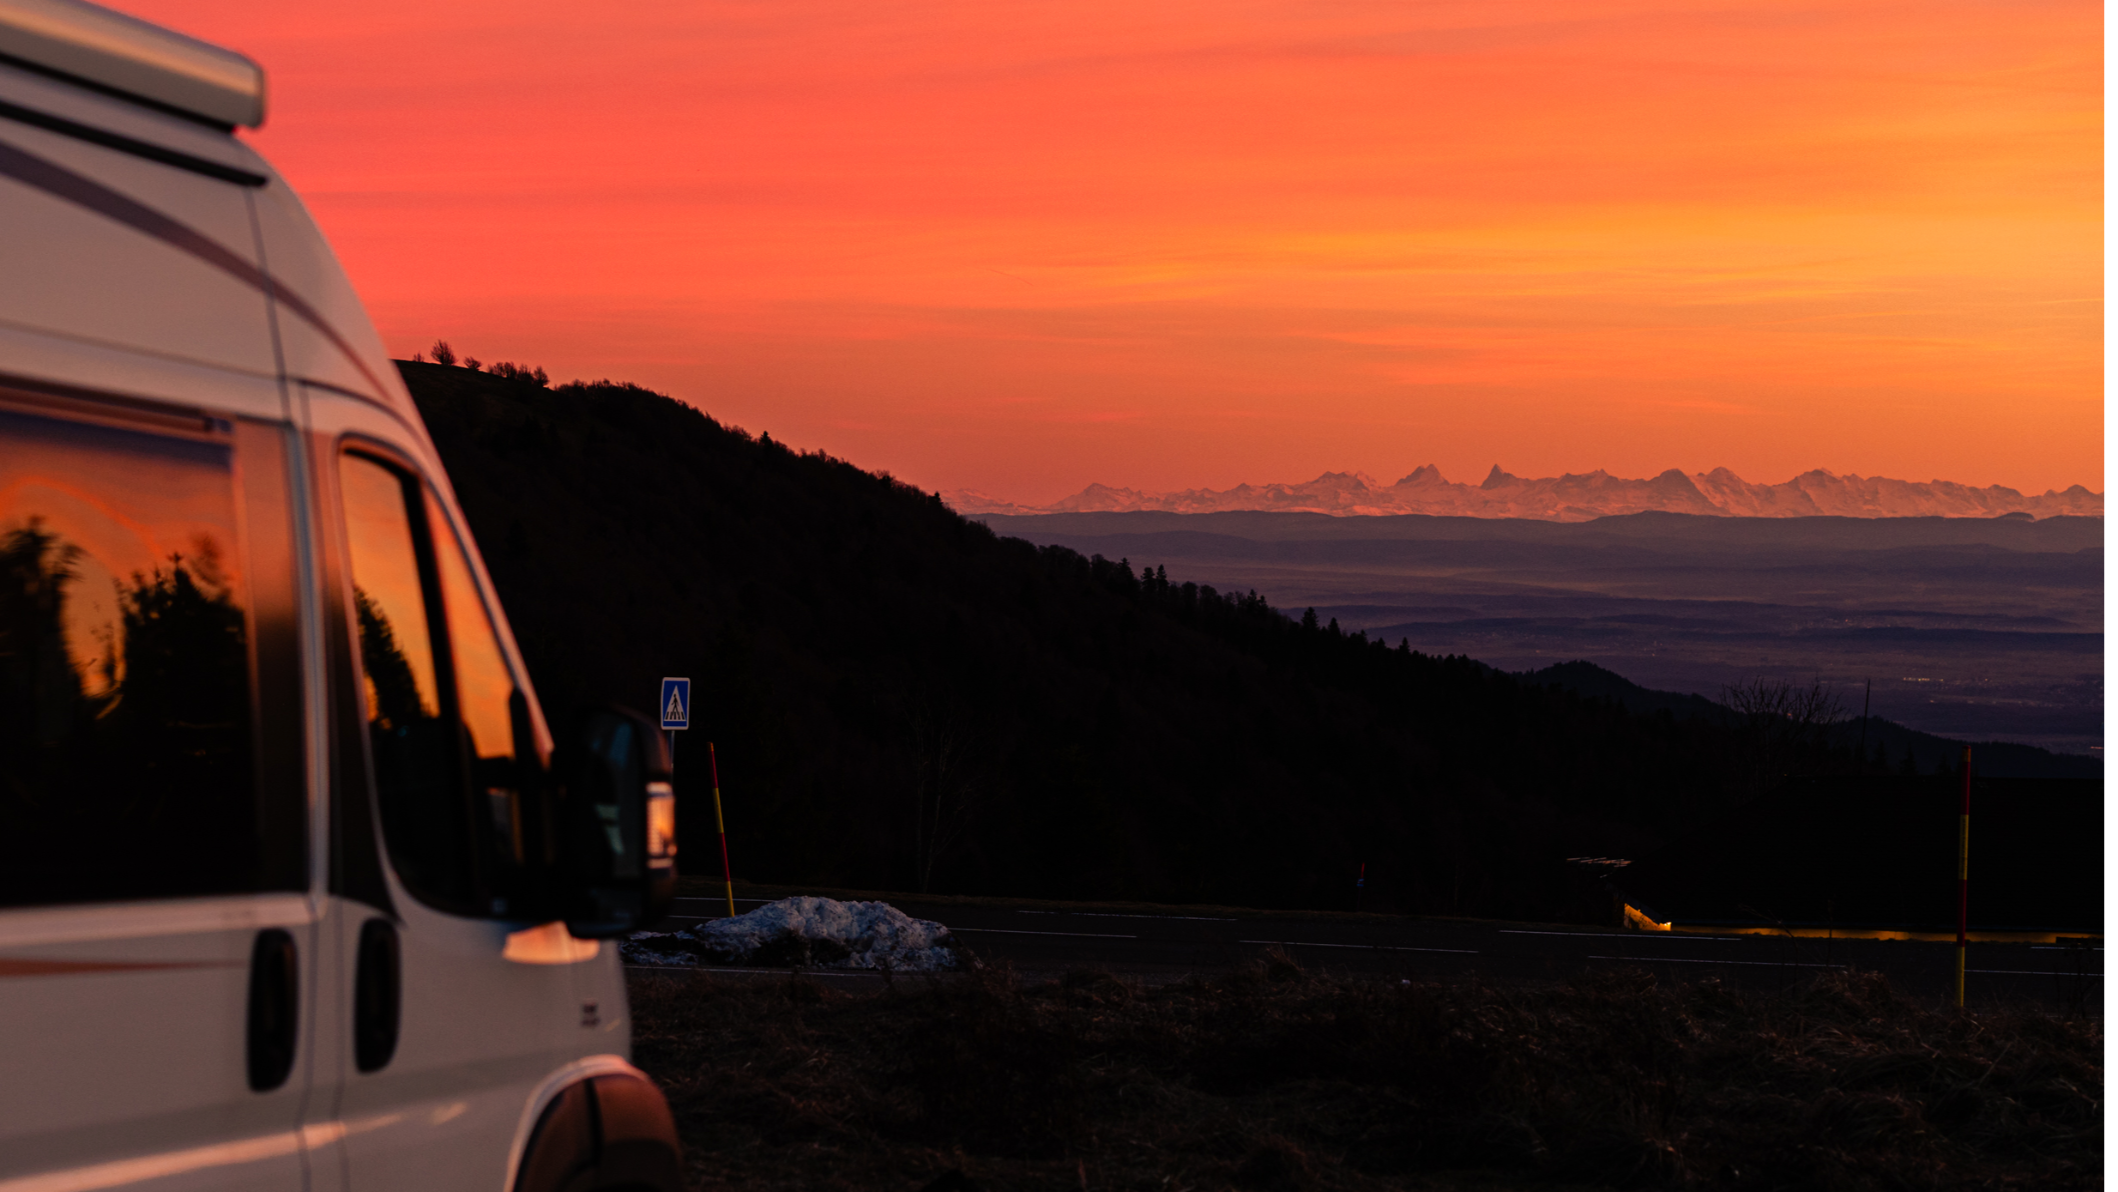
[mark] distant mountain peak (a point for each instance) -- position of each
(1578, 497)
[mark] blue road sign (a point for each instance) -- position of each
(676, 703)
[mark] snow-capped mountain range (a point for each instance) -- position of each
(1576, 497)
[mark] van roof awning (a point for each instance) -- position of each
(125, 54)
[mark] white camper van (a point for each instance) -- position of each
(296, 891)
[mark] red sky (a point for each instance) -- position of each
(1020, 247)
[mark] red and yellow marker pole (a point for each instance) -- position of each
(1963, 878)
(713, 764)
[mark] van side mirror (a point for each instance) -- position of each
(616, 816)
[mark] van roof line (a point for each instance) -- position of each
(125, 54)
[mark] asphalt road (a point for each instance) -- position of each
(1171, 944)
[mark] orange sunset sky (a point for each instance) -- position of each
(1017, 247)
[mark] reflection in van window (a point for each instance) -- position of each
(125, 676)
(486, 692)
(396, 652)
(443, 709)
(418, 766)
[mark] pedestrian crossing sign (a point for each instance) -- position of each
(676, 703)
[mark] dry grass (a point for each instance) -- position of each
(1273, 1078)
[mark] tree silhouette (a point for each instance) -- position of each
(946, 783)
(156, 769)
(1782, 726)
(390, 681)
(40, 691)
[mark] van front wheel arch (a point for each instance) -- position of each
(610, 1133)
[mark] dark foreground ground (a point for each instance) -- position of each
(1273, 1076)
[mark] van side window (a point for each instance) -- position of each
(496, 715)
(444, 713)
(128, 759)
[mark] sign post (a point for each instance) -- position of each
(1963, 879)
(713, 764)
(676, 714)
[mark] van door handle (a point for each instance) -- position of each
(274, 988)
(377, 997)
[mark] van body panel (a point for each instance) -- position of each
(493, 1007)
(325, 334)
(157, 298)
(109, 248)
(42, 95)
(41, 360)
(125, 1026)
(130, 55)
(122, 1048)
(479, 1036)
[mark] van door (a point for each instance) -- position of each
(157, 941)
(460, 1005)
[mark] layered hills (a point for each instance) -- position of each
(1576, 497)
(900, 697)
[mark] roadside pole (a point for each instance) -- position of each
(1963, 879)
(713, 764)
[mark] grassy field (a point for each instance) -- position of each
(1273, 1078)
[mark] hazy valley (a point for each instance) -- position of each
(1981, 628)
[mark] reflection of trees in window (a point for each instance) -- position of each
(184, 699)
(40, 692)
(416, 767)
(144, 789)
(39, 689)
(393, 691)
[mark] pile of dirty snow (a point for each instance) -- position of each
(807, 931)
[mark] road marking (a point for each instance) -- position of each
(1619, 935)
(1363, 947)
(708, 968)
(1695, 960)
(1083, 935)
(1115, 915)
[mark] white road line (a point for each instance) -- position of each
(1362, 947)
(1694, 960)
(708, 968)
(1620, 935)
(1115, 915)
(1083, 935)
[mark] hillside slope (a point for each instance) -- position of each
(902, 698)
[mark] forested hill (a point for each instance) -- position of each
(902, 699)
